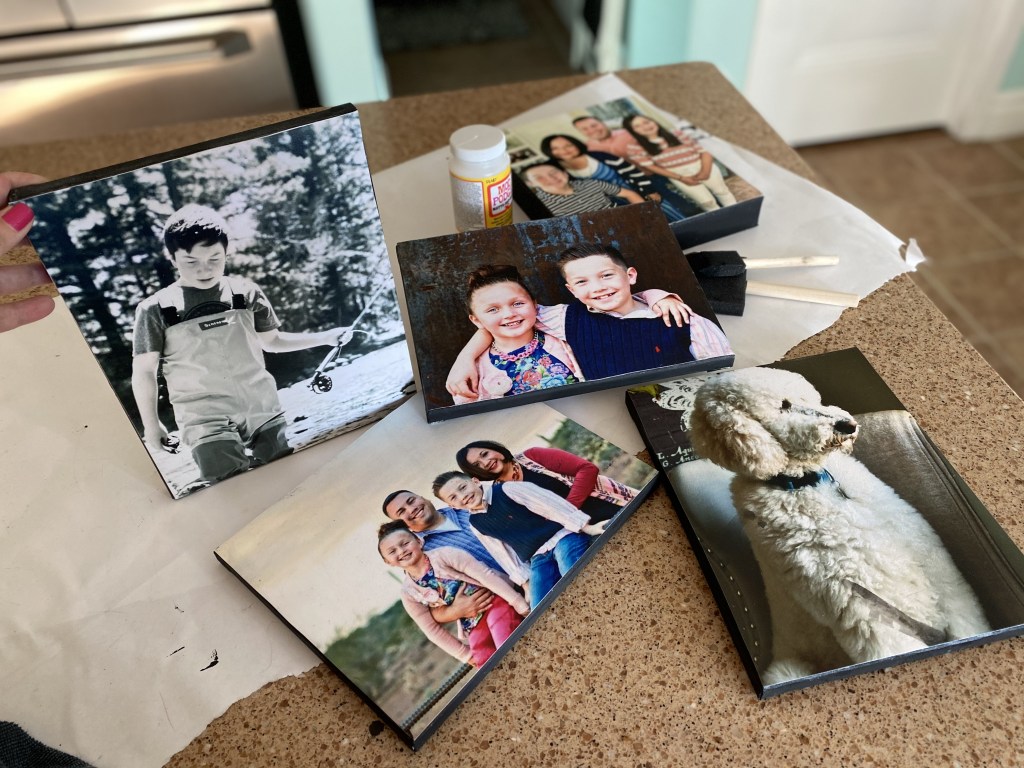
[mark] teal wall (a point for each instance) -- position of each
(342, 40)
(1014, 77)
(670, 31)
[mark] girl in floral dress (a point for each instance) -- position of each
(434, 580)
(521, 357)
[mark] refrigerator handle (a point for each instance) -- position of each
(222, 45)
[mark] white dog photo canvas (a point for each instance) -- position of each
(835, 536)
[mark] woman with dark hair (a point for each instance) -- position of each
(680, 158)
(572, 477)
(572, 156)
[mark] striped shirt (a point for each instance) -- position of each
(587, 195)
(689, 151)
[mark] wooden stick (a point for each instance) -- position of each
(796, 293)
(792, 261)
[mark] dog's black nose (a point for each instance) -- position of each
(845, 426)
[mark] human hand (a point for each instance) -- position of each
(467, 606)
(689, 181)
(594, 529)
(672, 310)
(655, 196)
(157, 438)
(15, 278)
(463, 380)
(344, 335)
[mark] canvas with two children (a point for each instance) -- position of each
(553, 308)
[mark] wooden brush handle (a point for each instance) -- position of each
(792, 261)
(796, 293)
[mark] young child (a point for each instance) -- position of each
(601, 280)
(434, 580)
(209, 332)
(594, 326)
(679, 158)
(542, 528)
(521, 357)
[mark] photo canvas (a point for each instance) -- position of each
(359, 559)
(834, 534)
(236, 294)
(551, 308)
(622, 152)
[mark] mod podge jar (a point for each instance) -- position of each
(481, 178)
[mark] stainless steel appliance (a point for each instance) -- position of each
(79, 67)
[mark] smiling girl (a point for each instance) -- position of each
(435, 580)
(520, 358)
(681, 159)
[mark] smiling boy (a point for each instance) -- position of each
(209, 332)
(610, 330)
(543, 529)
(614, 331)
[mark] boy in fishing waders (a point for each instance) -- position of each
(210, 332)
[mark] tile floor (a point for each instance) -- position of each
(964, 203)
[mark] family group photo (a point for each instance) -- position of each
(553, 308)
(238, 298)
(418, 578)
(834, 534)
(619, 153)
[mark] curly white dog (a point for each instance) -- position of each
(852, 572)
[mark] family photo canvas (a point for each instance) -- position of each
(834, 534)
(237, 295)
(412, 579)
(551, 308)
(623, 152)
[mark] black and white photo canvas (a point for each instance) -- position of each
(544, 309)
(237, 294)
(834, 534)
(415, 560)
(623, 152)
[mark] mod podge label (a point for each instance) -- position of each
(481, 203)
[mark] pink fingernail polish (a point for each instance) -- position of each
(18, 217)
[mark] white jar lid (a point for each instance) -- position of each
(477, 143)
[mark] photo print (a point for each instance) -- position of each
(237, 294)
(834, 534)
(412, 578)
(624, 152)
(552, 308)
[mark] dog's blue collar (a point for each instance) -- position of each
(809, 478)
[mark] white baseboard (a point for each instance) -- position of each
(1003, 119)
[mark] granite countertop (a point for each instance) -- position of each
(633, 664)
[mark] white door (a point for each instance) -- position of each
(822, 70)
